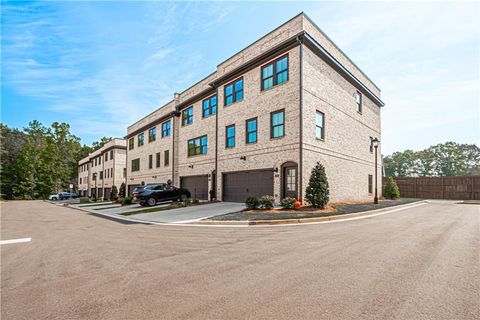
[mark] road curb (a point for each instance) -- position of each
(316, 219)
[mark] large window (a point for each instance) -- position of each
(157, 159)
(150, 161)
(131, 143)
(135, 165)
(320, 125)
(370, 183)
(197, 146)
(166, 158)
(358, 101)
(152, 134)
(277, 126)
(209, 106)
(230, 136)
(251, 130)
(140, 139)
(233, 91)
(371, 144)
(275, 73)
(111, 154)
(101, 175)
(187, 116)
(166, 129)
(106, 156)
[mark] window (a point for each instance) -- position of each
(187, 116)
(251, 130)
(157, 159)
(197, 146)
(371, 144)
(209, 106)
(233, 92)
(277, 128)
(80, 180)
(99, 160)
(106, 156)
(152, 134)
(320, 125)
(166, 129)
(135, 165)
(166, 158)
(358, 100)
(140, 139)
(230, 136)
(111, 154)
(101, 175)
(275, 73)
(95, 162)
(370, 183)
(150, 161)
(124, 172)
(131, 143)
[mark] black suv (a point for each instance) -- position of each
(161, 192)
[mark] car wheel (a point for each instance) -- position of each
(151, 202)
(183, 197)
(54, 199)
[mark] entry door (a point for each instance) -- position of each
(290, 182)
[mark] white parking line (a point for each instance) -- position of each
(15, 241)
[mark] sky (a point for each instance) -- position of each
(101, 66)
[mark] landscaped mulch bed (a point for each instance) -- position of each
(331, 210)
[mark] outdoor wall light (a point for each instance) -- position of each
(275, 169)
(244, 158)
(191, 166)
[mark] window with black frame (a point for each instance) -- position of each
(275, 73)
(230, 136)
(197, 146)
(233, 91)
(166, 129)
(251, 130)
(277, 125)
(187, 116)
(209, 106)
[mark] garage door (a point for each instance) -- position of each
(197, 185)
(238, 186)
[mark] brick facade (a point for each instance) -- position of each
(327, 82)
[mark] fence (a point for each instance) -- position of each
(452, 188)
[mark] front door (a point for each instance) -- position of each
(290, 182)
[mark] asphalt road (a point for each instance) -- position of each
(420, 263)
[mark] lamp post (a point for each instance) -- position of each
(375, 143)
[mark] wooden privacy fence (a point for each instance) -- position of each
(452, 188)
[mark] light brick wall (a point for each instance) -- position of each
(345, 152)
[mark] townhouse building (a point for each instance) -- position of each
(103, 169)
(260, 122)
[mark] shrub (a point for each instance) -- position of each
(288, 203)
(390, 190)
(252, 203)
(114, 193)
(266, 202)
(121, 192)
(195, 201)
(127, 201)
(187, 202)
(317, 192)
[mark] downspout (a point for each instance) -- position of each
(300, 165)
(103, 174)
(174, 114)
(113, 169)
(216, 145)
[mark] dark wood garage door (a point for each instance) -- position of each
(197, 185)
(238, 186)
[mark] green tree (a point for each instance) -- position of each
(391, 191)
(317, 192)
(11, 144)
(98, 144)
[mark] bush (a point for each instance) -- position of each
(266, 202)
(114, 193)
(127, 201)
(390, 190)
(317, 192)
(195, 201)
(187, 202)
(288, 203)
(121, 192)
(252, 203)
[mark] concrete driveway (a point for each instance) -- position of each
(418, 263)
(191, 214)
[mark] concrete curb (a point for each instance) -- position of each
(316, 219)
(285, 222)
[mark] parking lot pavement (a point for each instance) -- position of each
(191, 214)
(418, 263)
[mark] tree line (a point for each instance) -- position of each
(445, 159)
(39, 160)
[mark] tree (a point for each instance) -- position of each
(121, 192)
(317, 192)
(391, 191)
(11, 144)
(98, 144)
(447, 159)
(114, 193)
